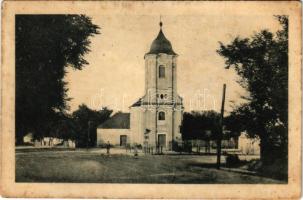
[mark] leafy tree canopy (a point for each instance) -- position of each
(45, 46)
(197, 125)
(86, 120)
(261, 62)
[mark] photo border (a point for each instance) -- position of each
(91, 190)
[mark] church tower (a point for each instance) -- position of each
(161, 107)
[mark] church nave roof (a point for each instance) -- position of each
(119, 120)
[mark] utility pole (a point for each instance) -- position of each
(219, 139)
(87, 140)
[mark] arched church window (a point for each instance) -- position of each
(161, 96)
(161, 115)
(161, 71)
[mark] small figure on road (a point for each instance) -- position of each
(107, 148)
(135, 151)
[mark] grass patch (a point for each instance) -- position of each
(88, 167)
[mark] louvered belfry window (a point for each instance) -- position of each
(161, 71)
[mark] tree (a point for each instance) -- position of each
(200, 125)
(87, 121)
(262, 65)
(196, 124)
(45, 46)
(63, 127)
(234, 126)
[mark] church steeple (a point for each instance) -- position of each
(162, 106)
(161, 44)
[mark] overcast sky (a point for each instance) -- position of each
(115, 76)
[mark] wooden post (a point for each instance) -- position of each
(219, 139)
(87, 140)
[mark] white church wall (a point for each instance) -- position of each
(164, 85)
(111, 135)
(177, 123)
(150, 123)
(150, 77)
(168, 124)
(165, 61)
(174, 63)
(136, 125)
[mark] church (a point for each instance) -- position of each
(155, 119)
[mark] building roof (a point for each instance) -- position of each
(137, 103)
(161, 44)
(118, 121)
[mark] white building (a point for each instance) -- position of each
(248, 146)
(156, 117)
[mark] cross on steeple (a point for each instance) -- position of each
(160, 23)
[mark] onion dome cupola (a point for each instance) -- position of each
(161, 44)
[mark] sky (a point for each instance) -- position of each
(115, 74)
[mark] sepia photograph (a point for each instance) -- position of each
(127, 93)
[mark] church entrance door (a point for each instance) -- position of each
(162, 140)
(123, 140)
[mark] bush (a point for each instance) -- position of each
(187, 147)
(27, 144)
(278, 169)
(232, 160)
(176, 147)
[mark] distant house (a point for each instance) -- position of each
(28, 138)
(48, 142)
(249, 146)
